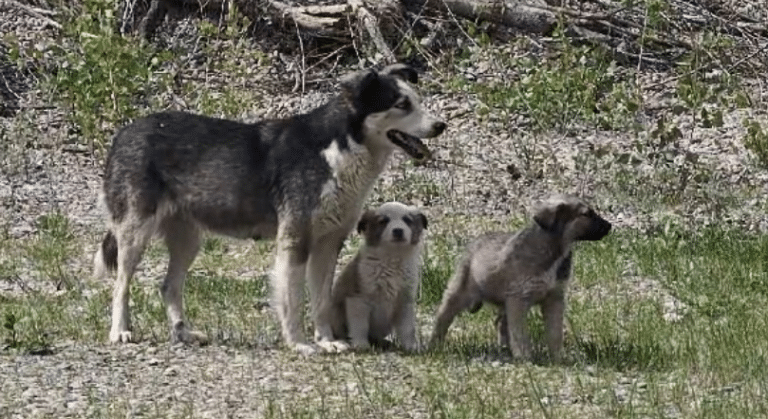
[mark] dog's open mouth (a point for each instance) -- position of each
(410, 144)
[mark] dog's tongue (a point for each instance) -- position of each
(410, 144)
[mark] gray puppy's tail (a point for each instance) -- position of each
(105, 259)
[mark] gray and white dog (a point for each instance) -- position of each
(301, 180)
(516, 271)
(376, 292)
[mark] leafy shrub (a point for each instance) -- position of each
(101, 75)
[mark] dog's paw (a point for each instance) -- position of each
(190, 337)
(120, 336)
(333, 346)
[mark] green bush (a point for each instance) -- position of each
(101, 75)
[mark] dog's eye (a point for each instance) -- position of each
(383, 220)
(407, 220)
(404, 104)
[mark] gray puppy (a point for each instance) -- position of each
(516, 271)
(376, 291)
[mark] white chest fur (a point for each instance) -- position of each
(353, 174)
(385, 277)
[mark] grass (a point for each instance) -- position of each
(624, 358)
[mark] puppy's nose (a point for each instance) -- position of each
(398, 233)
(439, 127)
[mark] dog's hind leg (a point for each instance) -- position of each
(183, 240)
(132, 235)
(458, 296)
(320, 269)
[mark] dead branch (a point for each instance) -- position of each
(34, 12)
(514, 14)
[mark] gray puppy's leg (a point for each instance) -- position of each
(501, 327)
(456, 298)
(519, 342)
(553, 309)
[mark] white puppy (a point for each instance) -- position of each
(376, 291)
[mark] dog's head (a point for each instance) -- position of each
(390, 109)
(572, 218)
(393, 225)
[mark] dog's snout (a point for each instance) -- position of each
(601, 228)
(597, 229)
(398, 233)
(439, 127)
(605, 227)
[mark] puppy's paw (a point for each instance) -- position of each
(361, 344)
(120, 336)
(413, 347)
(333, 346)
(304, 349)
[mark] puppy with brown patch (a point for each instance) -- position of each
(376, 291)
(516, 271)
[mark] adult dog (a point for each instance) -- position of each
(516, 271)
(376, 292)
(301, 180)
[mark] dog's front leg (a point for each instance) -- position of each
(553, 309)
(519, 343)
(288, 288)
(358, 313)
(320, 269)
(406, 327)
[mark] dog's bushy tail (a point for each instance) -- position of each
(106, 257)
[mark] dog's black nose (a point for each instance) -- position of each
(439, 127)
(398, 233)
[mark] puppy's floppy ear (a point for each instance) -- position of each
(546, 216)
(422, 219)
(402, 71)
(366, 218)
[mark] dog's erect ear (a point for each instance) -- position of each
(358, 81)
(403, 71)
(353, 84)
(365, 92)
(546, 216)
(423, 219)
(364, 220)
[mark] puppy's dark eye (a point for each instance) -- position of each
(383, 220)
(408, 221)
(404, 104)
